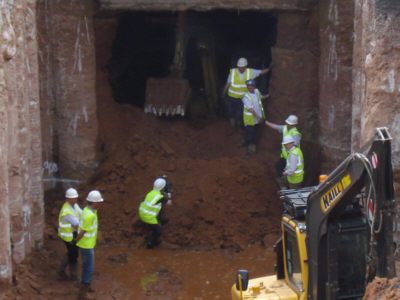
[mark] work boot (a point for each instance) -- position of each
(91, 290)
(61, 269)
(73, 272)
(251, 149)
(62, 275)
(83, 291)
(233, 127)
(150, 243)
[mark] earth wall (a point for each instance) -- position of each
(21, 191)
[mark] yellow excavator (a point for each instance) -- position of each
(335, 237)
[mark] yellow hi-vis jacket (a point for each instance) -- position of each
(248, 117)
(293, 131)
(238, 87)
(150, 207)
(88, 223)
(65, 231)
(298, 175)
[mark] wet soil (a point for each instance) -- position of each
(225, 213)
(136, 274)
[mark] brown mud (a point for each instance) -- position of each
(225, 213)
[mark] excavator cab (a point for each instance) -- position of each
(290, 280)
(335, 236)
(346, 252)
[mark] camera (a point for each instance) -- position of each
(168, 186)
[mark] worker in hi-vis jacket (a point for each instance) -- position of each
(150, 211)
(236, 88)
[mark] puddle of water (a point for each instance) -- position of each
(174, 274)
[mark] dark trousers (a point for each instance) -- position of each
(72, 252)
(235, 109)
(153, 239)
(280, 166)
(252, 134)
(70, 259)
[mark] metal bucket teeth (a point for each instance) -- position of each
(167, 96)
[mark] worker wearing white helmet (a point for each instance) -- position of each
(253, 115)
(68, 222)
(287, 129)
(87, 238)
(294, 169)
(236, 88)
(150, 210)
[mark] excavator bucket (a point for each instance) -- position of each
(167, 96)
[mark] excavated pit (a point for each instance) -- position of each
(93, 67)
(214, 182)
(225, 202)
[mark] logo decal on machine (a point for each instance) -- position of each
(370, 203)
(334, 194)
(374, 160)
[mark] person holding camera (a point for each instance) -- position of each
(68, 222)
(150, 210)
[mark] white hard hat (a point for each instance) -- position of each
(287, 139)
(71, 193)
(242, 62)
(291, 120)
(94, 196)
(159, 184)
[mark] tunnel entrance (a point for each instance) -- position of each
(145, 46)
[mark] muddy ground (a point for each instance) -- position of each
(225, 213)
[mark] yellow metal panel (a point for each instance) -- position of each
(331, 197)
(301, 243)
(265, 288)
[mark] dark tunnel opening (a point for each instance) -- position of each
(145, 42)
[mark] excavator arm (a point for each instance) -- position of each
(338, 216)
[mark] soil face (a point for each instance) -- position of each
(383, 289)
